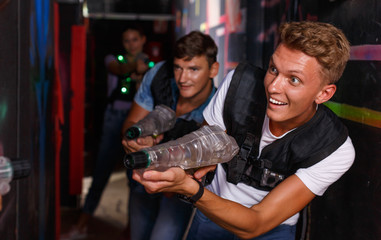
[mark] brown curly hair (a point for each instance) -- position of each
(323, 41)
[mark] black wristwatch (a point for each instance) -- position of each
(192, 200)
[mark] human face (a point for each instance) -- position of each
(293, 87)
(193, 77)
(133, 42)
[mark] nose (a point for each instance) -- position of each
(181, 77)
(276, 84)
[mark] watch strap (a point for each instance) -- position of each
(195, 197)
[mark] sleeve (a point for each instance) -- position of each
(112, 80)
(213, 113)
(109, 58)
(324, 173)
(144, 96)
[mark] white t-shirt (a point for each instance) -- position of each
(317, 177)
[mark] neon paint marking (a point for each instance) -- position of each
(356, 114)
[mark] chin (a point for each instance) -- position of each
(186, 94)
(275, 117)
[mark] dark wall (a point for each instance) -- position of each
(26, 66)
(351, 207)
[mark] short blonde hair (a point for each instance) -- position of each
(323, 41)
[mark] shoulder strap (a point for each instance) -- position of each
(245, 100)
(244, 109)
(335, 135)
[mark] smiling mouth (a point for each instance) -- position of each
(273, 101)
(184, 86)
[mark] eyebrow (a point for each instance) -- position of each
(188, 67)
(194, 66)
(289, 71)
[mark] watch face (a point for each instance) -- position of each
(184, 198)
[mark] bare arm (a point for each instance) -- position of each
(284, 201)
(141, 66)
(281, 203)
(120, 69)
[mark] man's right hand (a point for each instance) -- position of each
(141, 66)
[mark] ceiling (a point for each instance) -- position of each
(130, 6)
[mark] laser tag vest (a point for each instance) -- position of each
(126, 87)
(244, 112)
(162, 94)
(125, 90)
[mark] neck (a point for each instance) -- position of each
(280, 128)
(186, 105)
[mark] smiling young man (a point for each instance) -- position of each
(292, 147)
(186, 85)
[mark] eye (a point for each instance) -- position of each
(273, 70)
(295, 80)
(193, 69)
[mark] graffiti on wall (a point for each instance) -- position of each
(224, 21)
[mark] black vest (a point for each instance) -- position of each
(125, 89)
(244, 111)
(162, 94)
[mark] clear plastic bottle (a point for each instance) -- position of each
(160, 120)
(206, 146)
(12, 170)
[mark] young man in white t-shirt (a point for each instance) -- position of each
(301, 75)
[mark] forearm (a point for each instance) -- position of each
(121, 69)
(234, 217)
(284, 201)
(129, 67)
(280, 204)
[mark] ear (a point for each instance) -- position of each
(144, 39)
(326, 93)
(214, 70)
